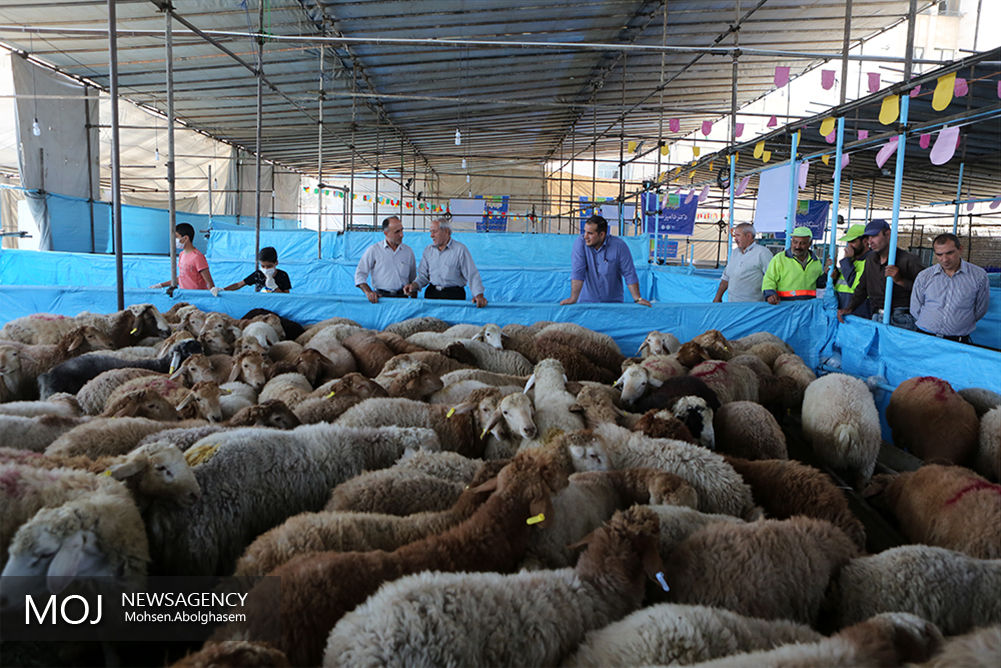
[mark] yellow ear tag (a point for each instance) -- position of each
(759, 148)
(172, 369)
(890, 109)
(451, 412)
(535, 519)
(827, 126)
(134, 330)
(107, 472)
(483, 433)
(332, 393)
(944, 90)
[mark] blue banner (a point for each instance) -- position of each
(813, 214)
(677, 218)
(494, 215)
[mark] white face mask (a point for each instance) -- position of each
(179, 245)
(270, 272)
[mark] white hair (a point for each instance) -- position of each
(745, 227)
(443, 224)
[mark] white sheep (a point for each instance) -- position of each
(955, 591)
(35, 433)
(235, 396)
(651, 372)
(60, 404)
(264, 333)
(672, 634)
(37, 328)
(552, 401)
(659, 343)
(290, 388)
(988, 460)
(487, 377)
(730, 382)
(328, 342)
(489, 334)
(93, 396)
(842, 424)
(719, 487)
(499, 361)
(109, 436)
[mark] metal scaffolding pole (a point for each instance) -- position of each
(171, 175)
(573, 135)
(350, 205)
(257, 150)
(116, 165)
(375, 201)
(793, 189)
(319, 166)
(959, 196)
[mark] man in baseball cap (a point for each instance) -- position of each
(794, 274)
(848, 274)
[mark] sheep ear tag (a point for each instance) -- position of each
(653, 566)
(541, 510)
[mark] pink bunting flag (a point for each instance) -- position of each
(772, 122)
(889, 148)
(804, 169)
(738, 129)
(674, 124)
(961, 87)
(873, 82)
(970, 205)
(827, 79)
(999, 89)
(704, 194)
(845, 160)
(945, 146)
(781, 76)
(690, 197)
(925, 140)
(996, 203)
(830, 139)
(863, 134)
(707, 128)
(742, 186)
(914, 91)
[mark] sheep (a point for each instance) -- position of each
(659, 343)
(252, 368)
(312, 364)
(719, 487)
(166, 344)
(408, 378)
(886, 640)
(248, 344)
(405, 328)
(348, 532)
(253, 479)
(486, 377)
(696, 414)
(521, 339)
(596, 405)
(784, 488)
(136, 322)
(597, 347)
(931, 420)
(746, 429)
(951, 589)
(37, 433)
(730, 382)
(948, 506)
(457, 433)
(265, 333)
(754, 363)
(330, 400)
(198, 368)
(691, 354)
(327, 343)
(201, 401)
(456, 392)
(480, 619)
(394, 492)
(291, 388)
(499, 361)
(284, 351)
(99, 535)
(679, 522)
(289, 329)
(671, 634)
(21, 364)
(93, 396)
(272, 413)
(37, 328)
(61, 404)
(651, 372)
(398, 344)
(663, 424)
(591, 499)
(980, 648)
(792, 366)
(443, 464)
(745, 343)
(509, 420)
(181, 438)
(145, 403)
(438, 363)
(841, 423)
(489, 334)
(217, 341)
(576, 364)
(71, 375)
(988, 460)
(552, 401)
(981, 399)
(370, 352)
(674, 388)
(317, 589)
(234, 653)
(108, 436)
(714, 343)
(768, 352)
(773, 569)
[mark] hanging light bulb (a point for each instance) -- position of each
(156, 154)
(463, 163)
(36, 129)
(215, 183)
(458, 137)
(467, 178)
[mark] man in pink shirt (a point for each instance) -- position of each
(192, 267)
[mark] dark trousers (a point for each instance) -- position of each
(455, 292)
(390, 293)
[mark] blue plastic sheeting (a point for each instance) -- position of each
(802, 324)
(677, 284)
(298, 245)
(69, 218)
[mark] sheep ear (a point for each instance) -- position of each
(75, 342)
(582, 543)
(529, 384)
(185, 401)
(877, 485)
(488, 486)
(575, 408)
(179, 373)
(478, 336)
(643, 346)
(653, 380)
(462, 409)
(126, 469)
(66, 563)
(619, 380)
(495, 418)
(234, 374)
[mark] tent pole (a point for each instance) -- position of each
(793, 189)
(171, 176)
(959, 193)
(116, 164)
(836, 200)
(257, 150)
(319, 166)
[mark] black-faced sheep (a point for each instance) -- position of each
(931, 420)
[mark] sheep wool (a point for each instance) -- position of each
(988, 462)
(747, 429)
(394, 492)
(842, 424)
(931, 420)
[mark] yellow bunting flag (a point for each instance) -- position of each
(691, 174)
(631, 147)
(890, 109)
(827, 126)
(665, 149)
(826, 159)
(759, 148)
(736, 157)
(944, 90)
(696, 150)
(711, 163)
(766, 156)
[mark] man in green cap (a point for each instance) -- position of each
(796, 273)
(848, 273)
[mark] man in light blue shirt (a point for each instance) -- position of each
(598, 265)
(745, 268)
(390, 262)
(446, 267)
(950, 297)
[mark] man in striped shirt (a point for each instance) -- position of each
(950, 297)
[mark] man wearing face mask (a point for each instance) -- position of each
(192, 267)
(268, 278)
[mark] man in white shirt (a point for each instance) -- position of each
(446, 267)
(745, 268)
(390, 262)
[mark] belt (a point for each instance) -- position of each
(796, 293)
(959, 338)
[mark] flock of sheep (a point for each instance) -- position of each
(436, 495)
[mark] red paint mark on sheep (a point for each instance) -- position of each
(942, 389)
(976, 486)
(39, 316)
(10, 483)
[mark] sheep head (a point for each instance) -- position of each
(490, 334)
(535, 475)
(595, 405)
(149, 321)
(248, 344)
(411, 380)
(517, 413)
(634, 381)
(272, 413)
(202, 401)
(195, 369)
(147, 403)
(587, 450)
(697, 416)
(83, 340)
(715, 344)
(252, 368)
(158, 470)
(894, 638)
(10, 366)
(692, 354)
(659, 343)
(315, 366)
(626, 544)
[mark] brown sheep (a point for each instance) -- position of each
(746, 429)
(318, 589)
(730, 382)
(252, 368)
(199, 367)
(662, 423)
(147, 403)
(312, 364)
(575, 363)
(21, 363)
(692, 354)
(370, 352)
(398, 344)
(272, 413)
(784, 488)
(235, 654)
(931, 420)
(403, 377)
(330, 400)
(394, 492)
(947, 506)
(715, 344)
(520, 339)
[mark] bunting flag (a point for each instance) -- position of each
(914, 91)
(945, 146)
(827, 126)
(631, 147)
(970, 205)
(831, 138)
(925, 140)
(873, 82)
(945, 88)
(889, 148)
(690, 197)
(674, 125)
(707, 128)
(804, 170)
(863, 134)
(962, 88)
(781, 76)
(665, 149)
(772, 122)
(994, 204)
(696, 150)
(890, 109)
(704, 194)
(711, 163)
(759, 148)
(826, 159)
(742, 186)
(827, 79)
(766, 156)
(738, 128)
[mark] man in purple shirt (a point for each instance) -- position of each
(598, 265)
